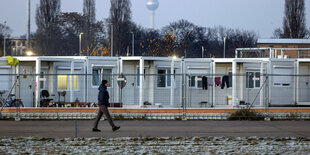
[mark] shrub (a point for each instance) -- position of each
(245, 114)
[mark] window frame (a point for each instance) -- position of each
(68, 76)
(100, 74)
(254, 81)
(166, 77)
(196, 81)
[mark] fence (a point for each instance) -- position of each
(159, 90)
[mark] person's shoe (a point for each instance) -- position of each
(115, 128)
(96, 130)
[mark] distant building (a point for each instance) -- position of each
(17, 47)
(287, 43)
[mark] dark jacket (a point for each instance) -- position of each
(103, 96)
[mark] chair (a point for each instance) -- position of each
(61, 94)
(45, 100)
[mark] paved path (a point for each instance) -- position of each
(157, 128)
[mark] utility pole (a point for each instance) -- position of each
(28, 24)
(4, 33)
(111, 39)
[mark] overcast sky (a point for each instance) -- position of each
(260, 16)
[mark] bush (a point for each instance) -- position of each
(245, 114)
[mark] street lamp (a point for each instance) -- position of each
(111, 39)
(202, 51)
(133, 44)
(28, 24)
(29, 53)
(224, 46)
(80, 40)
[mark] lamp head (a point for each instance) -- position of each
(29, 53)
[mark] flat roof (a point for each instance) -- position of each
(283, 41)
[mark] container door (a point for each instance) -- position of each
(27, 85)
(303, 84)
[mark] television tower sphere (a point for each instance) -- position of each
(152, 4)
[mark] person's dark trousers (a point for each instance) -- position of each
(103, 110)
(204, 83)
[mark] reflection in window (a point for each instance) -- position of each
(100, 74)
(107, 75)
(252, 79)
(95, 77)
(168, 77)
(161, 80)
(195, 81)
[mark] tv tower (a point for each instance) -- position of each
(152, 5)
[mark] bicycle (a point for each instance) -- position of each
(10, 101)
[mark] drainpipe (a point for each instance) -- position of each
(213, 86)
(172, 83)
(71, 80)
(234, 83)
(297, 82)
(141, 93)
(182, 83)
(17, 86)
(120, 70)
(85, 80)
(261, 94)
(38, 70)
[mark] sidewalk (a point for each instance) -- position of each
(156, 128)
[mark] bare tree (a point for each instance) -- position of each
(70, 25)
(120, 18)
(89, 10)
(294, 22)
(48, 32)
(4, 32)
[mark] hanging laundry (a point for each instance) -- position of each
(204, 83)
(210, 81)
(217, 81)
(225, 80)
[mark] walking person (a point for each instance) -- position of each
(103, 103)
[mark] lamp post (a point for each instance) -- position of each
(224, 46)
(133, 44)
(111, 39)
(80, 41)
(28, 24)
(202, 51)
(4, 33)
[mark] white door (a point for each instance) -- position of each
(27, 85)
(303, 84)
